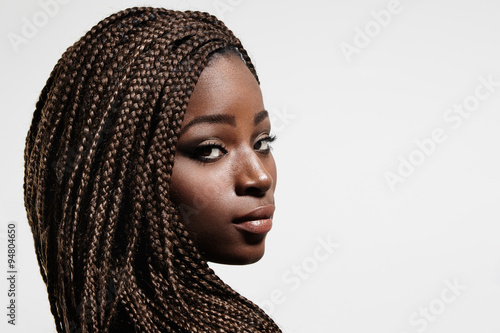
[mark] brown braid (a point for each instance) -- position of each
(111, 247)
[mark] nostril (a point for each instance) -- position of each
(255, 192)
(254, 184)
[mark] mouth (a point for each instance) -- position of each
(258, 221)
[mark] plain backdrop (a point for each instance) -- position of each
(388, 159)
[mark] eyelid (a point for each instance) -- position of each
(268, 139)
(195, 153)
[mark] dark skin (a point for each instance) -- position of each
(223, 168)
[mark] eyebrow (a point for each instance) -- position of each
(223, 119)
(259, 117)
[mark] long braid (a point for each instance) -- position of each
(111, 246)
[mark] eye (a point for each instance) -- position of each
(209, 152)
(264, 144)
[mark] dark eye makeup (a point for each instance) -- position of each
(211, 151)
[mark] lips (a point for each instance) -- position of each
(258, 221)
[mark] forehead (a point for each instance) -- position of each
(226, 86)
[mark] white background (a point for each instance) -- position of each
(343, 123)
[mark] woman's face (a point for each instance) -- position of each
(224, 175)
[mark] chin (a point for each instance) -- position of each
(246, 257)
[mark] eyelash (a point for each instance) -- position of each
(197, 153)
(268, 139)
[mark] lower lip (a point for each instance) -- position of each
(255, 227)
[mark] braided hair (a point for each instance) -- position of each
(111, 246)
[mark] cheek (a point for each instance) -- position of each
(198, 193)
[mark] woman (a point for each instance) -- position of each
(148, 155)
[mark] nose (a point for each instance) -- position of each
(252, 175)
